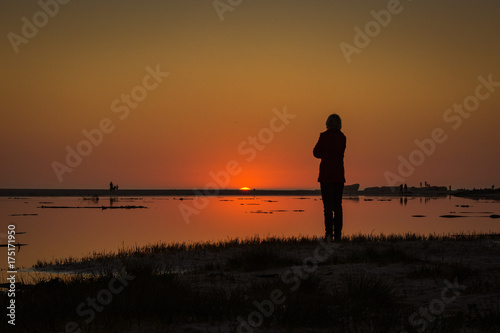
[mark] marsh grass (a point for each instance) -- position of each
(367, 301)
(149, 297)
(363, 291)
(440, 270)
(294, 241)
(377, 253)
(361, 301)
(260, 258)
(169, 299)
(163, 296)
(162, 248)
(487, 318)
(308, 306)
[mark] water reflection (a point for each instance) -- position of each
(56, 233)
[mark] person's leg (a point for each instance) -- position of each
(337, 191)
(327, 197)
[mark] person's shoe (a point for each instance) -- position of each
(337, 239)
(328, 238)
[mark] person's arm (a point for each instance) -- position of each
(344, 144)
(318, 149)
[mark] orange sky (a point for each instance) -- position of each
(226, 77)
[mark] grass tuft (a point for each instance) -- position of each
(260, 258)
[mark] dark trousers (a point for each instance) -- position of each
(331, 193)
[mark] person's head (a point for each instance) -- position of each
(334, 121)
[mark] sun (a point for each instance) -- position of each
(245, 188)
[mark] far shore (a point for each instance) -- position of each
(350, 190)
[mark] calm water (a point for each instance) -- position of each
(57, 233)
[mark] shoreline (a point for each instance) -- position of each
(147, 192)
(349, 190)
(380, 281)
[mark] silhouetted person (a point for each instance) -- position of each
(111, 187)
(330, 149)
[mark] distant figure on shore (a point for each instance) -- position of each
(330, 149)
(113, 187)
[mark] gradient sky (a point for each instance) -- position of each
(226, 78)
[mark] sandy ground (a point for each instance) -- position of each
(471, 266)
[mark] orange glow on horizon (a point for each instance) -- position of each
(212, 119)
(245, 188)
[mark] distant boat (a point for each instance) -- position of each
(354, 188)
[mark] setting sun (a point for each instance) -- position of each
(352, 120)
